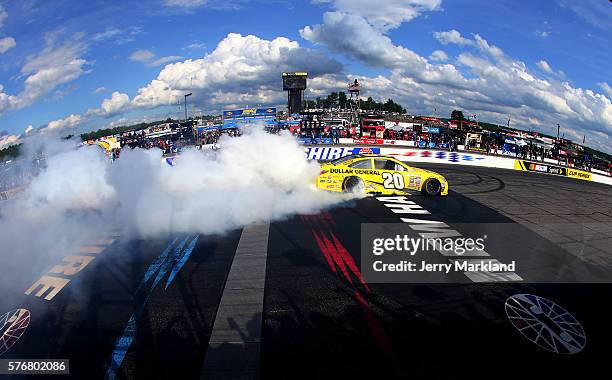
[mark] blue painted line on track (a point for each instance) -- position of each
(160, 265)
(179, 265)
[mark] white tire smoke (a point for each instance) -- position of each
(79, 194)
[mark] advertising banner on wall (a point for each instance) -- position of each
(333, 153)
(550, 169)
(249, 116)
(365, 141)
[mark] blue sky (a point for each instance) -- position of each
(71, 66)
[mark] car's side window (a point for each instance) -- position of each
(362, 164)
(384, 164)
(400, 168)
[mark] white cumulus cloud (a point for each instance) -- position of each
(68, 122)
(185, 3)
(99, 90)
(606, 88)
(3, 15)
(371, 46)
(238, 65)
(388, 14)
(544, 66)
(6, 44)
(53, 66)
(142, 55)
(148, 58)
(452, 37)
(116, 104)
(438, 55)
(7, 140)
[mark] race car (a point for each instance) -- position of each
(379, 175)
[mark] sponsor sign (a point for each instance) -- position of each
(427, 129)
(366, 141)
(549, 169)
(556, 170)
(579, 174)
(425, 144)
(369, 141)
(333, 153)
(245, 117)
(538, 168)
(398, 125)
(159, 131)
(250, 112)
(399, 142)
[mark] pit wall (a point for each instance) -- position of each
(413, 155)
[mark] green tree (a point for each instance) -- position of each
(332, 100)
(9, 152)
(342, 99)
(319, 103)
(457, 115)
(307, 104)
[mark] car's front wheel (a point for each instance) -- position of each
(354, 185)
(431, 187)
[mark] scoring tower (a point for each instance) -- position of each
(294, 84)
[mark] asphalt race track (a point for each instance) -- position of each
(294, 305)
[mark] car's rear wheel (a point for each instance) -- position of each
(354, 185)
(431, 187)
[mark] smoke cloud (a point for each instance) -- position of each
(258, 176)
(80, 194)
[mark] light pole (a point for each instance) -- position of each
(186, 95)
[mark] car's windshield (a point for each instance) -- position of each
(362, 164)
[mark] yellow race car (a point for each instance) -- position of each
(380, 175)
